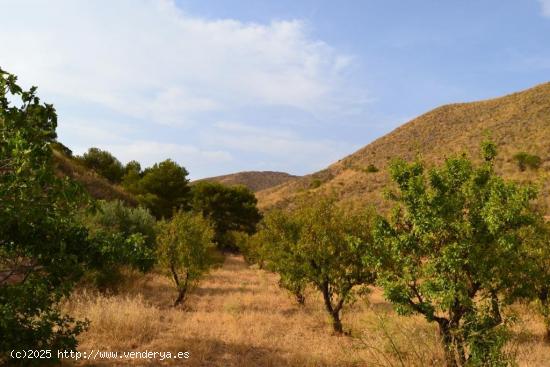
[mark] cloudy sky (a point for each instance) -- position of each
(224, 86)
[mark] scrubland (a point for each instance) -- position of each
(238, 316)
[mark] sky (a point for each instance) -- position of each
(289, 85)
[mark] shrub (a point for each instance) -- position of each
(115, 217)
(183, 249)
(121, 236)
(371, 168)
(526, 160)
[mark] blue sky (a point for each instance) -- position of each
(225, 86)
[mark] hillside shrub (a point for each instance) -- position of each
(526, 160)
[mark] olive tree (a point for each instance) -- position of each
(452, 248)
(322, 244)
(183, 245)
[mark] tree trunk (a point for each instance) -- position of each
(300, 298)
(181, 297)
(495, 309)
(544, 298)
(448, 343)
(182, 287)
(337, 323)
(333, 311)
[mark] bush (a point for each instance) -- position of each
(115, 217)
(122, 236)
(183, 249)
(371, 168)
(526, 160)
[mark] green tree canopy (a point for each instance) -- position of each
(452, 249)
(229, 209)
(183, 249)
(42, 247)
(322, 244)
(103, 163)
(164, 188)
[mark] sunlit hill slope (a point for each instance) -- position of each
(516, 122)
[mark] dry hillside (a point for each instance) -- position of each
(97, 186)
(254, 180)
(517, 122)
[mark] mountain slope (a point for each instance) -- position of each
(517, 122)
(98, 187)
(254, 180)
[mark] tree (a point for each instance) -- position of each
(42, 247)
(229, 209)
(103, 163)
(183, 248)
(535, 282)
(164, 188)
(280, 235)
(526, 160)
(323, 245)
(452, 249)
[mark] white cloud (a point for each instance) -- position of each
(545, 7)
(292, 151)
(115, 70)
(148, 59)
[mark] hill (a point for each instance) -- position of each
(98, 187)
(516, 122)
(254, 180)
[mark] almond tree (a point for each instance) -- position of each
(183, 245)
(453, 248)
(324, 245)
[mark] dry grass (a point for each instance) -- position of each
(238, 316)
(517, 122)
(254, 180)
(97, 186)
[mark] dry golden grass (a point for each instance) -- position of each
(517, 122)
(254, 180)
(97, 186)
(238, 316)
